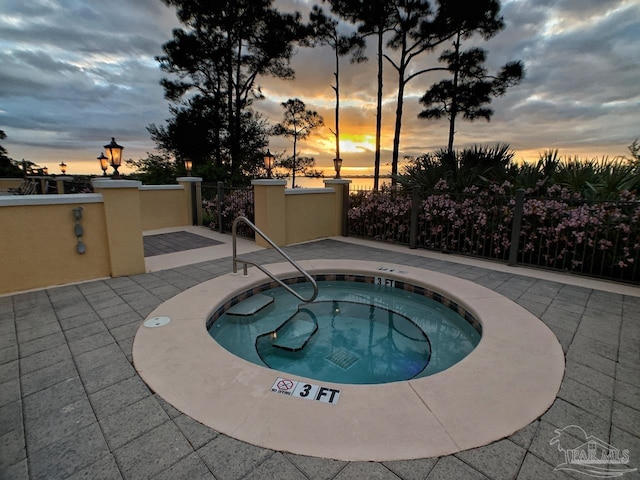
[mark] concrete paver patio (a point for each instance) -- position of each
(73, 406)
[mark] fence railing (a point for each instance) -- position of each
(79, 185)
(599, 239)
(221, 205)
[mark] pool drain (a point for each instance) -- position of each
(156, 322)
(342, 358)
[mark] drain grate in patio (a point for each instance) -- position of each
(175, 242)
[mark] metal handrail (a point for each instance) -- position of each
(264, 270)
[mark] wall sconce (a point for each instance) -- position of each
(114, 155)
(104, 164)
(188, 165)
(268, 162)
(63, 167)
(337, 165)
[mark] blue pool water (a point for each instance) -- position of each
(353, 332)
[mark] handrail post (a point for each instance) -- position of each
(516, 227)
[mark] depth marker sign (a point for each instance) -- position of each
(307, 391)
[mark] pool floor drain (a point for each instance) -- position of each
(342, 358)
(156, 322)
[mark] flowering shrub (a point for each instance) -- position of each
(559, 230)
(475, 224)
(600, 238)
(235, 203)
(381, 215)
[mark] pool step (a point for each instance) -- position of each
(250, 306)
(294, 334)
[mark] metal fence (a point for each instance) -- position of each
(592, 238)
(79, 184)
(380, 215)
(221, 204)
(599, 239)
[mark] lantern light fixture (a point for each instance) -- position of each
(104, 163)
(114, 155)
(268, 162)
(337, 165)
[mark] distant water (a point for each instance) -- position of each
(357, 183)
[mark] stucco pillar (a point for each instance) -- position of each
(193, 197)
(341, 186)
(124, 226)
(268, 198)
(43, 184)
(60, 179)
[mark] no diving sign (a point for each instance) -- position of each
(307, 391)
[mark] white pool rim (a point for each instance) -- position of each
(510, 379)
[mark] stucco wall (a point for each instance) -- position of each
(290, 216)
(7, 183)
(163, 206)
(310, 214)
(38, 243)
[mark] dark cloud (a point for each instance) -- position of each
(77, 72)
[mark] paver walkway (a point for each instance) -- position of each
(162, 243)
(72, 405)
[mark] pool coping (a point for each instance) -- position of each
(509, 380)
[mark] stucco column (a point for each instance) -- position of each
(341, 186)
(268, 198)
(60, 179)
(43, 183)
(193, 197)
(124, 226)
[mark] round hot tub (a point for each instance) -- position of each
(509, 379)
(357, 330)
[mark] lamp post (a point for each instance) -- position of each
(63, 167)
(337, 165)
(188, 165)
(114, 155)
(104, 163)
(268, 162)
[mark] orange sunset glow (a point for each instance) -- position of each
(62, 101)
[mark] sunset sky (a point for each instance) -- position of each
(76, 73)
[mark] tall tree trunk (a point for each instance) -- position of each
(235, 146)
(396, 136)
(402, 66)
(293, 169)
(230, 120)
(337, 89)
(454, 97)
(376, 168)
(217, 130)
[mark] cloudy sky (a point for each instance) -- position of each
(76, 73)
